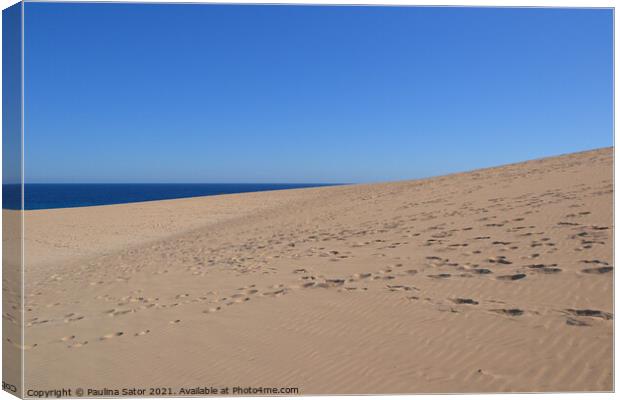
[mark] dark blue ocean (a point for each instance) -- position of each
(39, 196)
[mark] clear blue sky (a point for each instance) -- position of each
(222, 93)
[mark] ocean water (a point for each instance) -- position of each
(39, 196)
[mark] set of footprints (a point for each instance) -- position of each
(496, 266)
(574, 317)
(469, 269)
(73, 342)
(244, 294)
(68, 318)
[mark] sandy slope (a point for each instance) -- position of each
(494, 280)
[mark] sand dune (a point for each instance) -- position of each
(493, 280)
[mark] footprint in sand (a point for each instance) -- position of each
(499, 260)
(563, 223)
(73, 319)
(386, 277)
(240, 300)
(275, 293)
(480, 271)
(576, 322)
(111, 335)
(116, 313)
(589, 313)
(546, 269)
(598, 270)
(514, 277)
(142, 333)
(396, 288)
(351, 288)
(460, 300)
(362, 275)
(22, 346)
(602, 269)
(512, 312)
(439, 276)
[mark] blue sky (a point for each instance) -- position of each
(224, 93)
(11, 94)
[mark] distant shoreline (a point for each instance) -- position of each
(43, 196)
(97, 193)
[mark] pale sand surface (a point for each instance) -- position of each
(493, 280)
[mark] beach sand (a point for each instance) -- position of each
(487, 281)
